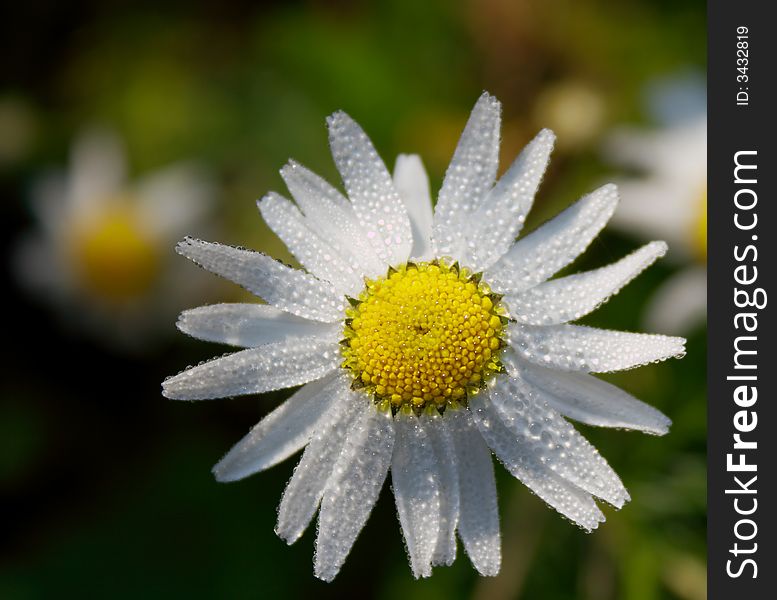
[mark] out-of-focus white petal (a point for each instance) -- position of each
(414, 477)
(412, 183)
(314, 253)
(680, 304)
(378, 207)
(478, 509)
(269, 367)
(281, 433)
(448, 475)
(97, 171)
(565, 497)
(544, 434)
(469, 177)
(498, 221)
(248, 325)
(587, 349)
(554, 245)
(332, 216)
(353, 488)
(306, 487)
(590, 400)
(175, 198)
(289, 289)
(570, 298)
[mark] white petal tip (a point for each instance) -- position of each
(224, 474)
(173, 390)
(489, 100)
(287, 536)
(488, 570)
(658, 248)
(326, 576)
(547, 133)
(167, 389)
(337, 119)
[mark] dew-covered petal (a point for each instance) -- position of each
(447, 474)
(551, 247)
(353, 488)
(591, 350)
(379, 210)
(332, 216)
(478, 509)
(568, 499)
(414, 477)
(288, 289)
(281, 433)
(412, 183)
(570, 298)
(314, 253)
(544, 434)
(469, 177)
(256, 370)
(248, 325)
(498, 221)
(590, 400)
(306, 487)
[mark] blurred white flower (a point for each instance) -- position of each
(425, 340)
(101, 251)
(669, 198)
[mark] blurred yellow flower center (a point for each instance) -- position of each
(113, 256)
(427, 334)
(700, 227)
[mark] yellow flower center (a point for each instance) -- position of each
(113, 257)
(700, 227)
(428, 334)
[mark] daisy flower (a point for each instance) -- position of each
(669, 198)
(424, 341)
(101, 250)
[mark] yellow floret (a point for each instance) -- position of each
(425, 335)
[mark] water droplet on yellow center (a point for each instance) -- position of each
(113, 256)
(425, 335)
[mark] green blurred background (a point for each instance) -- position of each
(106, 485)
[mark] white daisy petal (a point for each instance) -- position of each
(306, 487)
(478, 510)
(288, 289)
(565, 497)
(314, 254)
(590, 400)
(469, 177)
(281, 433)
(412, 183)
(248, 325)
(496, 223)
(269, 367)
(379, 210)
(570, 298)
(414, 478)
(543, 433)
(580, 348)
(353, 488)
(554, 245)
(447, 473)
(332, 216)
